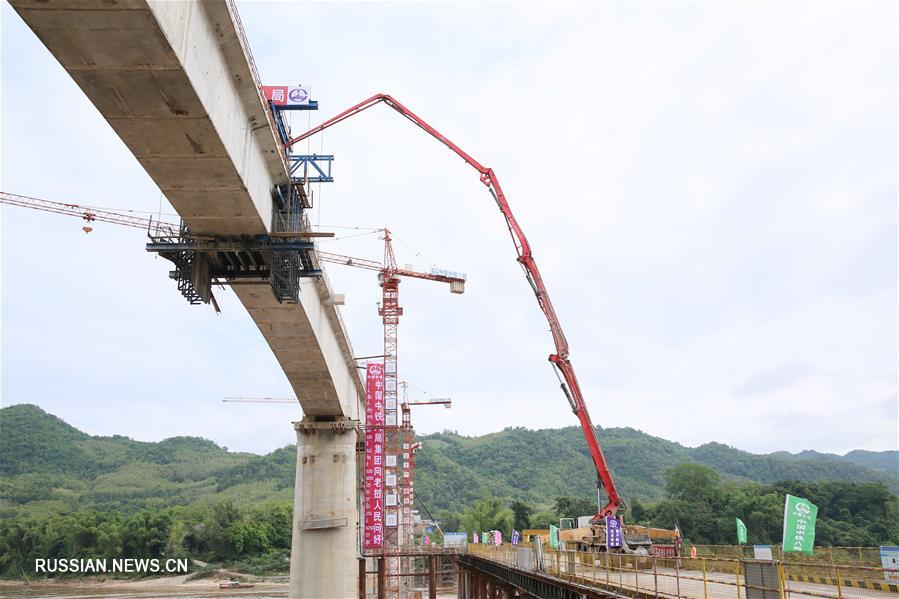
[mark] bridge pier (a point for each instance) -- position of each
(323, 548)
(506, 592)
(471, 584)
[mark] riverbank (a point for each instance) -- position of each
(181, 586)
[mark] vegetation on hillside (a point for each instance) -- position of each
(48, 466)
(535, 466)
(64, 493)
(221, 532)
(705, 509)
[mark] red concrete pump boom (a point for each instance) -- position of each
(560, 358)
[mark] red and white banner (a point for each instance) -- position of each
(373, 532)
(286, 95)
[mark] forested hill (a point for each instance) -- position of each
(49, 466)
(532, 466)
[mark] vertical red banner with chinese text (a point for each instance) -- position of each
(373, 531)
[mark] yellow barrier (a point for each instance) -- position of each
(861, 556)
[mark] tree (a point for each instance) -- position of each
(693, 483)
(522, 513)
(637, 512)
(488, 514)
(544, 519)
(450, 521)
(568, 507)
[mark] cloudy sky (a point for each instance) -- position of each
(710, 190)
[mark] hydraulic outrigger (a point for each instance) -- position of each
(559, 359)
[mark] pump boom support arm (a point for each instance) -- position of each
(559, 359)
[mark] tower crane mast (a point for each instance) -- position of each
(559, 359)
(410, 447)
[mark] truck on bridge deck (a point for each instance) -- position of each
(642, 539)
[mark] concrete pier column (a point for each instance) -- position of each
(324, 548)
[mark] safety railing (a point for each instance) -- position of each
(646, 576)
(862, 556)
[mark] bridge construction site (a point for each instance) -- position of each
(177, 82)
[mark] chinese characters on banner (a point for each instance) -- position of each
(662, 550)
(456, 539)
(516, 537)
(373, 533)
(553, 537)
(613, 532)
(742, 533)
(799, 525)
(285, 95)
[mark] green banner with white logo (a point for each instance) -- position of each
(799, 525)
(742, 534)
(553, 537)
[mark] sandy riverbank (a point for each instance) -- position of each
(180, 586)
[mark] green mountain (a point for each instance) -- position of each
(535, 466)
(47, 466)
(888, 461)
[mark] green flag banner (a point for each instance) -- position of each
(799, 525)
(484, 538)
(553, 537)
(741, 533)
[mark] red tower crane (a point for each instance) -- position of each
(409, 447)
(398, 432)
(559, 359)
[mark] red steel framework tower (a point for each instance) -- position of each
(409, 446)
(398, 433)
(390, 312)
(398, 453)
(407, 486)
